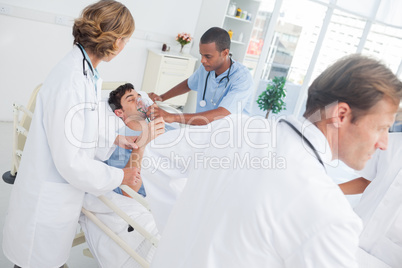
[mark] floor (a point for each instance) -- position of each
(77, 259)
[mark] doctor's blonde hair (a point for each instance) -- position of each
(100, 25)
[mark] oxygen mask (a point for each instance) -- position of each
(142, 108)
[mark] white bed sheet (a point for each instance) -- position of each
(105, 250)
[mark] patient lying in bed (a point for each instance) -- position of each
(103, 248)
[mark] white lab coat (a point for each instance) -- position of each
(380, 207)
(59, 164)
(247, 206)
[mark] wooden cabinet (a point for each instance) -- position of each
(241, 27)
(164, 70)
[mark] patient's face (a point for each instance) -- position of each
(130, 106)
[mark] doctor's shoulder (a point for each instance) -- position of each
(67, 70)
(241, 75)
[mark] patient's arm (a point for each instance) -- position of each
(126, 142)
(135, 161)
(356, 186)
(150, 132)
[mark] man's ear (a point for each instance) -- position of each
(341, 114)
(225, 52)
(119, 113)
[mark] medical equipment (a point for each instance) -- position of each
(20, 131)
(94, 105)
(84, 60)
(203, 102)
(143, 108)
(305, 140)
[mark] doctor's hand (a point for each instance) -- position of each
(154, 97)
(154, 112)
(131, 177)
(152, 130)
(126, 142)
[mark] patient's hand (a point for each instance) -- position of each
(136, 188)
(154, 112)
(151, 131)
(131, 176)
(126, 142)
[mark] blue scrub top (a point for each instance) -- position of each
(239, 90)
(120, 157)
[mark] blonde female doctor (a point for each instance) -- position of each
(63, 152)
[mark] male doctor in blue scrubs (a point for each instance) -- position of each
(223, 86)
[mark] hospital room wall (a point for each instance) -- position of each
(31, 42)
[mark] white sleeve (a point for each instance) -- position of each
(333, 246)
(109, 125)
(70, 134)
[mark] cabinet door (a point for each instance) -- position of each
(167, 80)
(171, 63)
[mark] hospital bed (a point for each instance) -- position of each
(21, 123)
(22, 116)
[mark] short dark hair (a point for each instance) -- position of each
(116, 95)
(357, 80)
(217, 35)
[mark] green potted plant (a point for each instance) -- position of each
(272, 98)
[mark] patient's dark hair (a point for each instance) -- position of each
(217, 35)
(116, 95)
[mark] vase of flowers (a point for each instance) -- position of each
(183, 39)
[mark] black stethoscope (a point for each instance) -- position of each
(84, 60)
(306, 141)
(84, 71)
(203, 103)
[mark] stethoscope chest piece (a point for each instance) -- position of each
(203, 103)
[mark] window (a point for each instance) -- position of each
(342, 38)
(295, 36)
(384, 42)
(310, 35)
